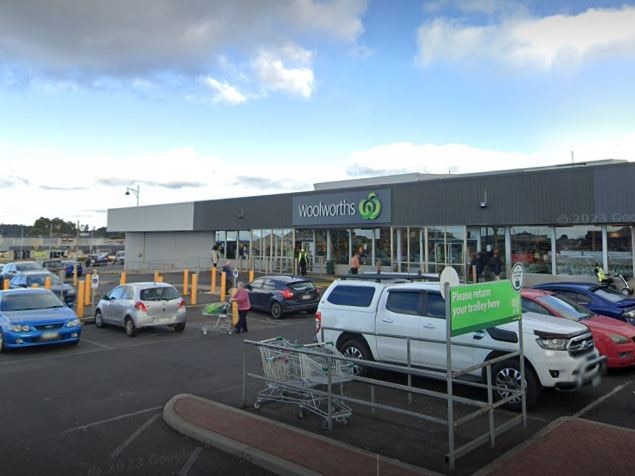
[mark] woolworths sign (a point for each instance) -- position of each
(367, 208)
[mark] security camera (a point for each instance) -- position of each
(483, 204)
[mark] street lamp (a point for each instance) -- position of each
(135, 192)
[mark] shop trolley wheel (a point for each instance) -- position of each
(300, 413)
(346, 421)
(229, 333)
(325, 424)
(257, 405)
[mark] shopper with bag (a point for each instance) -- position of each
(241, 298)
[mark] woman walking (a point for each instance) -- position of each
(242, 299)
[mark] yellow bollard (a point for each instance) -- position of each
(47, 282)
(5, 284)
(156, 276)
(213, 280)
(75, 275)
(186, 276)
(122, 278)
(223, 286)
(80, 298)
(194, 297)
(87, 289)
(251, 275)
(160, 280)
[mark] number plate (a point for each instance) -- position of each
(306, 296)
(49, 335)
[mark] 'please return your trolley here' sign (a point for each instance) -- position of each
(479, 306)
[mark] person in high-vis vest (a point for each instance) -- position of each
(303, 259)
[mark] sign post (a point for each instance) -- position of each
(94, 284)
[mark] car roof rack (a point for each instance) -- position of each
(393, 277)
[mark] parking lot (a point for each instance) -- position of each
(96, 408)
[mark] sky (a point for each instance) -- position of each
(206, 99)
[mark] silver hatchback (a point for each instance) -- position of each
(137, 305)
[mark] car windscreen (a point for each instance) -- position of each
(27, 266)
(29, 302)
(301, 286)
(40, 279)
(159, 294)
(610, 295)
(356, 296)
(565, 307)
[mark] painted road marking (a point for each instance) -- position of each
(600, 400)
(190, 461)
(132, 437)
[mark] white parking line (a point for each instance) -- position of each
(132, 437)
(96, 343)
(190, 461)
(600, 400)
(110, 420)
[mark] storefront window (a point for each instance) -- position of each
(492, 238)
(531, 246)
(230, 245)
(620, 249)
(363, 243)
(339, 246)
(578, 248)
(220, 242)
(414, 250)
(382, 247)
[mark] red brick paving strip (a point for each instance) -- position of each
(575, 448)
(312, 453)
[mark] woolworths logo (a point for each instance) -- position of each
(370, 208)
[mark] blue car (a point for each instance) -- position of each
(69, 267)
(35, 317)
(598, 298)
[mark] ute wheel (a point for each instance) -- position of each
(99, 319)
(180, 327)
(2, 348)
(507, 375)
(357, 349)
(131, 329)
(276, 310)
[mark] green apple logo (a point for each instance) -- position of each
(370, 208)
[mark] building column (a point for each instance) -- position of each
(553, 251)
(605, 249)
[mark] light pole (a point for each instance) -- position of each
(134, 191)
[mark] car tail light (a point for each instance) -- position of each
(286, 293)
(139, 306)
(182, 304)
(318, 321)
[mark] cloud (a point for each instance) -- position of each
(13, 181)
(287, 69)
(61, 189)
(359, 170)
(263, 183)
(175, 185)
(224, 92)
(541, 43)
(89, 39)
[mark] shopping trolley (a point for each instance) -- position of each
(292, 377)
(221, 317)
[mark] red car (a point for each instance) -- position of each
(613, 338)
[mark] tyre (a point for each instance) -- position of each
(276, 310)
(131, 329)
(99, 319)
(357, 349)
(2, 348)
(180, 327)
(507, 375)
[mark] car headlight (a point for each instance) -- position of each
(629, 313)
(20, 328)
(74, 323)
(618, 339)
(553, 344)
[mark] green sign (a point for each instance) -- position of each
(479, 306)
(370, 208)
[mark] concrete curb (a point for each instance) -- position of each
(256, 456)
(264, 460)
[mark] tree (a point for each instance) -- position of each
(57, 226)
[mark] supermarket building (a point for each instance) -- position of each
(557, 220)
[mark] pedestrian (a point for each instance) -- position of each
(229, 272)
(378, 266)
(496, 264)
(355, 263)
(302, 261)
(242, 299)
(215, 256)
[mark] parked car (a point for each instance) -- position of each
(97, 260)
(279, 295)
(137, 305)
(53, 265)
(558, 353)
(598, 298)
(35, 317)
(69, 266)
(120, 257)
(10, 269)
(613, 339)
(28, 279)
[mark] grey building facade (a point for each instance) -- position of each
(556, 220)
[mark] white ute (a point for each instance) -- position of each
(558, 353)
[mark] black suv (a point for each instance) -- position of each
(283, 294)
